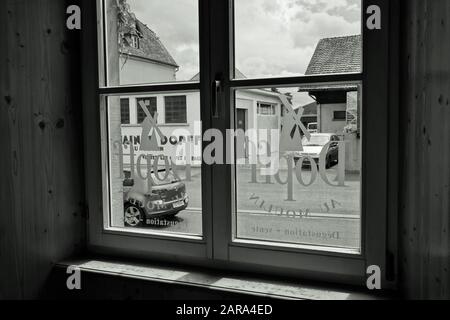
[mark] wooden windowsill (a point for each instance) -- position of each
(214, 281)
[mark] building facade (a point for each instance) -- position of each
(144, 58)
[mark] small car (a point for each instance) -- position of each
(166, 199)
(314, 147)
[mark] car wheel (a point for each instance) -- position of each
(133, 215)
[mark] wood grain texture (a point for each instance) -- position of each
(425, 154)
(41, 180)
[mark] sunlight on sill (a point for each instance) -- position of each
(252, 287)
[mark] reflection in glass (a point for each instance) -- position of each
(298, 171)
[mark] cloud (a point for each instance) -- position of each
(273, 37)
(321, 25)
(278, 37)
(176, 24)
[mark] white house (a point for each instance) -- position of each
(338, 106)
(144, 58)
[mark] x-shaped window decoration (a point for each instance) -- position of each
(150, 122)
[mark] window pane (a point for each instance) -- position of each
(150, 103)
(340, 115)
(282, 38)
(176, 109)
(125, 111)
(265, 109)
(155, 170)
(298, 173)
(151, 41)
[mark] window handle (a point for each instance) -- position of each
(217, 87)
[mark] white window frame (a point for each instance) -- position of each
(273, 109)
(185, 108)
(135, 42)
(138, 108)
(286, 261)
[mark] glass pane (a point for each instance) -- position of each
(284, 38)
(151, 41)
(155, 167)
(298, 166)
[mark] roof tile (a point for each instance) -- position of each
(150, 46)
(337, 55)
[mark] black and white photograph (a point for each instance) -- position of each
(227, 151)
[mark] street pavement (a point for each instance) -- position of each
(319, 215)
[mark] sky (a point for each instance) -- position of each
(278, 37)
(176, 24)
(273, 37)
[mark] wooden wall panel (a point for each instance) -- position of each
(42, 217)
(425, 162)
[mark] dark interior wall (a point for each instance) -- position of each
(42, 217)
(425, 152)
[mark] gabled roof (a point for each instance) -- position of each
(310, 110)
(238, 74)
(327, 87)
(337, 55)
(150, 46)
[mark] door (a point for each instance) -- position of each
(241, 124)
